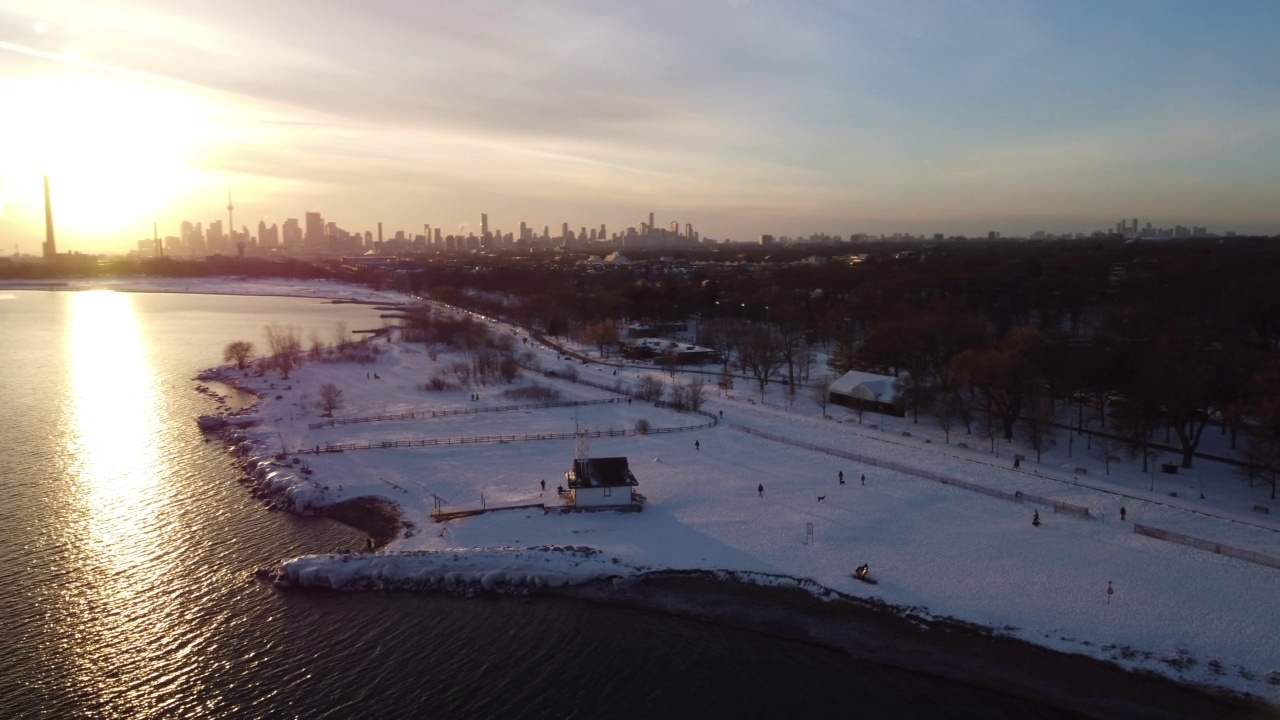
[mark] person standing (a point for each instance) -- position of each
(841, 477)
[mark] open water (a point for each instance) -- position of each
(127, 549)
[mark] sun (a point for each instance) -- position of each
(117, 151)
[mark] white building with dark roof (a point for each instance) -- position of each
(601, 482)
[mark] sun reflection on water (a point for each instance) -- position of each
(113, 396)
(113, 470)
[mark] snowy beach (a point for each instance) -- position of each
(1088, 586)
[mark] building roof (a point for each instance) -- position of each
(601, 472)
(866, 386)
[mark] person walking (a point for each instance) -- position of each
(543, 483)
(760, 489)
(697, 445)
(864, 478)
(841, 477)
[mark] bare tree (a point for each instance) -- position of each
(341, 338)
(602, 334)
(330, 399)
(821, 393)
(239, 352)
(1107, 449)
(284, 344)
(695, 393)
(1037, 423)
(650, 388)
(678, 397)
(725, 383)
(317, 345)
(946, 409)
(509, 369)
(759, 355)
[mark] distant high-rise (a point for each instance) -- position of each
(292, 234)
(650, 224)
(50, 247)
(314, 237)
(484, 224)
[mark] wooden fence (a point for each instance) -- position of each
(1208, 545)
(457, 411)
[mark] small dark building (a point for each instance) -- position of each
(601, 482)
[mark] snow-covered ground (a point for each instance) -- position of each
(1190, 614)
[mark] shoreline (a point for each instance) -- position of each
(884, 635)
(378, 518)
(949, 649)
(887, 635)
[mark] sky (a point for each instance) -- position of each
(740, 117)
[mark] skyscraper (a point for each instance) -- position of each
(484, 224)
(50, 247)
(314, 237)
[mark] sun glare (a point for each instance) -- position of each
(116, 151)
(112, 389)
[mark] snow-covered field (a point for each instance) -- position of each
(1186, 613)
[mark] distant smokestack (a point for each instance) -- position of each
(50, 249)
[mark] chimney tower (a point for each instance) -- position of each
(50, 248)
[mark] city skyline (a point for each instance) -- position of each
(739, 118)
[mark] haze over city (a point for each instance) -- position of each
(740, 118)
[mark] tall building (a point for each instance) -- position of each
(268, 237)
(314, 237)
(650, 226)
(292, 234)
(484, 224)
(214, 240)
(50, 247)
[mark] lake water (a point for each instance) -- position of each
(127, 551)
